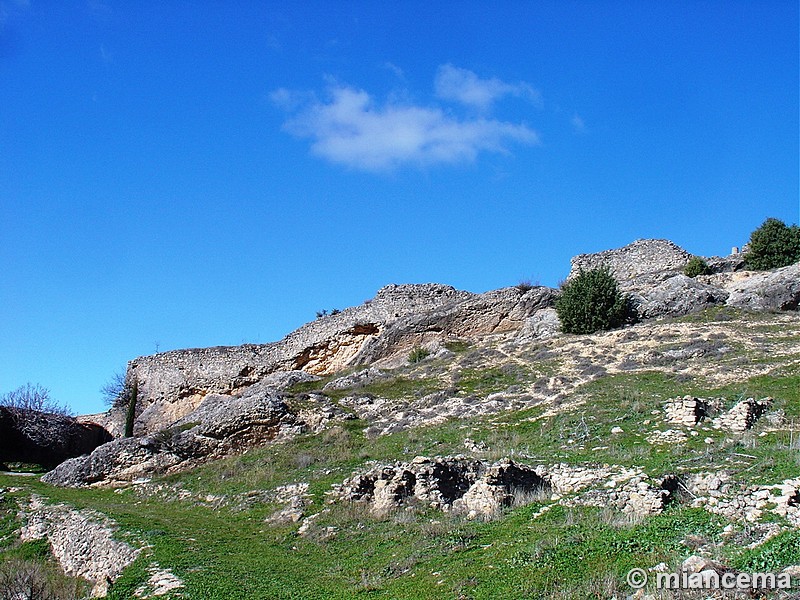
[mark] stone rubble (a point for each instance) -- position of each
(82, 541)
(478, 489)
(295, 498)
(160, 583)
(743, 415)
(689, 411)
(746, 503)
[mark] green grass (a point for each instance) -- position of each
(575, 552)
(578, 552)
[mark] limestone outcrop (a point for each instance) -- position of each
(771, 290)
(172, 384)
(205, 401)
(678, 295)
(220, 425)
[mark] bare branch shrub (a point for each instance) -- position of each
(32, 398)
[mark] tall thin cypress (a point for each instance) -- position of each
(131, 416)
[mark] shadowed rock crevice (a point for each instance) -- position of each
(46, 439)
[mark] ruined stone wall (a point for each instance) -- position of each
(637, 265)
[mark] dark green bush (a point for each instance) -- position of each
(418, 354)
(696, 266)
(773, 245)
(591, 302)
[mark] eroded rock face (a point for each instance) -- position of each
(45, 439)
(678, 295)
(637, 266)
(172, 384)
(457, 484)
(773, 290)
(221, 424)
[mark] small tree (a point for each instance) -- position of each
(773, 245)
(122, 391)
(696, 266)
(590, 302)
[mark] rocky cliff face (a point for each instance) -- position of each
(172, 384)
(200, 403)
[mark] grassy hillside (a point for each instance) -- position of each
(210, 526)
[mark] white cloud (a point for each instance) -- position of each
(464, 86)
(350, 128)
(578, 124)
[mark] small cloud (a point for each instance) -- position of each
(464, 86)
(105, 55)
(578, 126)
(350, 129)
(398, 72)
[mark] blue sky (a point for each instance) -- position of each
(185, 174)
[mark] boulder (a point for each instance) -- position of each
(221, 424)
(772, 290)
(544, 323)
(676, 296)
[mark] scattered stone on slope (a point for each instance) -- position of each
(637, 266)
(772, 290)
(678, 295)
(82, 541)
(294, 497)
(160, 583)
(353, 380)
(669, 437)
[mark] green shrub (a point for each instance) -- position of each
(696, 266)
(773, 245)
(591, 302)
(418, 354)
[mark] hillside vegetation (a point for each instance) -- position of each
(449, 454)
